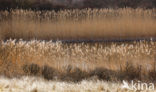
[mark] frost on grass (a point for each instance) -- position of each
(35, 84)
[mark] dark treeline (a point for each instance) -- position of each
(29, 4)
(70, 4)
(120, 3)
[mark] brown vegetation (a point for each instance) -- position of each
(75, 62)
(78, 24)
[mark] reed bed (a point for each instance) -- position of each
(28, 46)
(78, 24)
(59, 59)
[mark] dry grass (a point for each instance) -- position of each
(78, 24)
(33, 84)
(74, 62)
